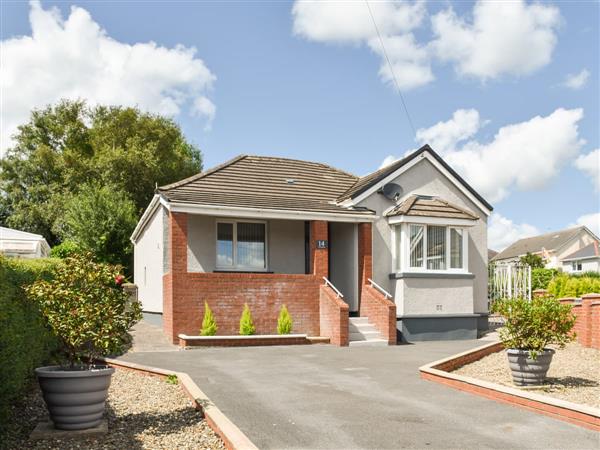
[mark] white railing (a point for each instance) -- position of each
(330, 284)
(379, 288)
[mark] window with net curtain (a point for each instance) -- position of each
(433, 247)
(241, 245)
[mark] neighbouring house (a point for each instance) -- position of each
(491, 254)
(20, 244)
(402, 250)
(586, 259)
(554, 247)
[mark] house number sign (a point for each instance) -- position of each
(321, 243)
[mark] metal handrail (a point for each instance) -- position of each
(380, 289)
(330, 284)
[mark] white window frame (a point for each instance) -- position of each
(235, 267)
(577, 266)
(401, 263)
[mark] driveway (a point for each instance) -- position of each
(320, 396)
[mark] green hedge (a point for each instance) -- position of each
(540, 278)
(25, 343)
(564, 285)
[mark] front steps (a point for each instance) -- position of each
(361, 332)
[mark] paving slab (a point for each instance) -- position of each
(46, 430)
(326, 397)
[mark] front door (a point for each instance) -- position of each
(343, 261)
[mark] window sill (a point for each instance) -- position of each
(439, 275)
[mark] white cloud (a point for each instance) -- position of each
(443, 136)
(503, 37)
(592, 221)
(75, 58)
(523, 156)
(350, 23)
(389, 159)
(590, 165)
(502, 232)
(576, 81)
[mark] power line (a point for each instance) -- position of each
(391, 68)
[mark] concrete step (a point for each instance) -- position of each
(370, 335)
(369, 343)
(361, 328)
(359, 320)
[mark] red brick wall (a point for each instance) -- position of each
(365, 253)
(380, 311)
(184, 293)
(587, 325)
(333, 316)
(226, 294)
(319, 257)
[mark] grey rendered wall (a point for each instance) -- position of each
(343, 257)
(285, 244)
(434, 296)
(425, 179)
(148, 264)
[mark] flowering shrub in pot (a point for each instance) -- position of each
(87, 309)
(530, 326)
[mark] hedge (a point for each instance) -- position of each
(25, 343)
(573, 286)
(540, 278)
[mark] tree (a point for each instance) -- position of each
(535, 261)
(247, 327)
(209, 325)
(64, 146)
(99, 219)
(284, 321)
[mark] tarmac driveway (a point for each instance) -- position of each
(320, 396)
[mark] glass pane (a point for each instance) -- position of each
(398, 247)
(456, 250)
(416, 245)
(436, 248)
(224, 244)
(251, 245)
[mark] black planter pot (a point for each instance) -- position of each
(527, 371)
(75, 398)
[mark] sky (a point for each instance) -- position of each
(507, 92)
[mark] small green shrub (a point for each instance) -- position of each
(25, 342)
(209, 325)
(86, 308)
(246, 325)
(172, 379)
(540, 277)
(533, 325)
(65, 249)
(284, 321)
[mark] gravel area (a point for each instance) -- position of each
(574, 374)
(143, 412)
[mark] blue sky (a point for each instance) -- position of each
(301, 81)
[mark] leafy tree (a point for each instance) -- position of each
(209, 325)
(65, 249)
(246, 324)
(284, 321)
(64, 146)
(535, 261)
(100, 220)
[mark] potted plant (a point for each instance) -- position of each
(87, 309)
(530, 326)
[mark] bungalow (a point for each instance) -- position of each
(554, 248)
(399, 252)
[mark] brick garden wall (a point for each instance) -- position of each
(334, 314)
(587, 326)
(380, 311)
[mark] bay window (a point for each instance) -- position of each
(241, 245)
(435, 248)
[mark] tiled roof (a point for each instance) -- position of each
(535, 244)
(589, 251)
(426, 206)
(266, 182)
